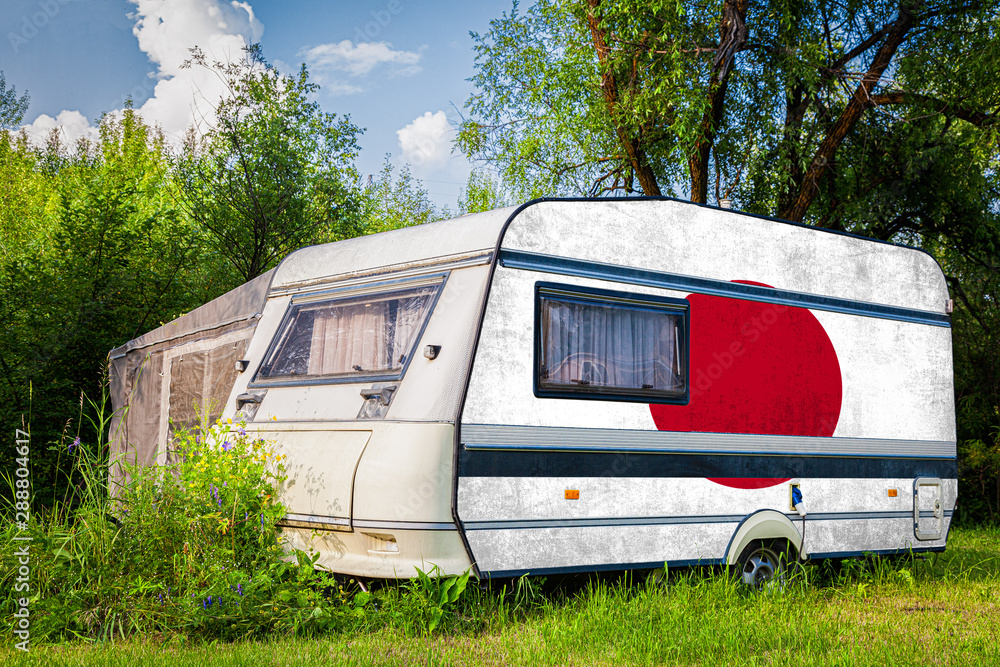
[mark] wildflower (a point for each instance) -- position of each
(226, 445)
(239, 589)
(242, 431)
(229, 421)
(73, 445)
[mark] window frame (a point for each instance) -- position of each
(332, 296)
(604, 297)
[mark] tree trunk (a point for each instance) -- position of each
(860, 101)
(609, 85)
(732, 39)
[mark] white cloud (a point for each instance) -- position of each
(165, 32)
(330, 63)
(73, 125)
(427, 140)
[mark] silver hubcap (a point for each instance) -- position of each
(760, 568)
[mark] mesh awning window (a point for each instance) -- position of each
(352, 338)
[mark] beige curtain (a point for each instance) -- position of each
(365, 337)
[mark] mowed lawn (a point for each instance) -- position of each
(944, 610)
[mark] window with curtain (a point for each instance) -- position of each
(603, 344)
(353, 338)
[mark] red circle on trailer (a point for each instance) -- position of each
(756, 368)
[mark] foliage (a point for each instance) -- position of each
(394, 201)
(482, 192)
(95, 252)
(189, 548)
(765, 100)
(438, 593)
(12, 107)
(275, 172)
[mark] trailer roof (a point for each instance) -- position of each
(465, 236)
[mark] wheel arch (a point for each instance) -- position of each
(762, 525)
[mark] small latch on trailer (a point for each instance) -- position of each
(384, 395)
(247, 404)
(377, 400)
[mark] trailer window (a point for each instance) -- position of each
(610, 345)
(349, 339)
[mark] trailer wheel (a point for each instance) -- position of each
(763, 564)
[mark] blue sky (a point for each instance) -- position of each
(398, 67)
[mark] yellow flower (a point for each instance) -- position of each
(229, 421)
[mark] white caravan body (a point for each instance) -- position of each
(577, 385)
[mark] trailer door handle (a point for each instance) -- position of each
(384, 395)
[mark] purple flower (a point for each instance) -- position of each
(73, 445)
(239, 589)
(197, 439)
(226, 445)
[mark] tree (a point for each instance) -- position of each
(12, 107)
(109, 256)
(392, 202)
(614, 96)
(482, 192)
(274, 172)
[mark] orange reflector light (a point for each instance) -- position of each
(892, 493)
(572, 494)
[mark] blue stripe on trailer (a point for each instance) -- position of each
(519, 463)
(566, 266)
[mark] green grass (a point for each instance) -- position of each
(943, 610)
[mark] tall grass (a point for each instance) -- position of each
(190, 548)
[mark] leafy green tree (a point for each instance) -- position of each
(12, 107)
(482, 192)
(274, 172)
(615, 96)
(111, 257)
(393, 201)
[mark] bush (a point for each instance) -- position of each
(191, 547)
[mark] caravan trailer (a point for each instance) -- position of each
(578, 385)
